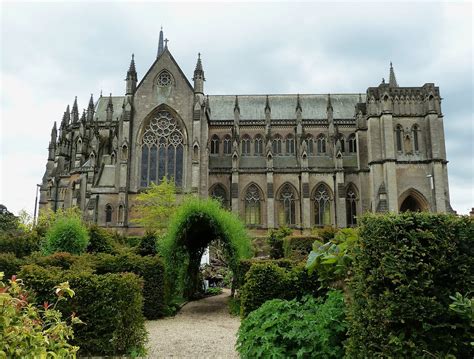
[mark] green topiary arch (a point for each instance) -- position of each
(196, 223)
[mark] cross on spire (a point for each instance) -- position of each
(166, 43)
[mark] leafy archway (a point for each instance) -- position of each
(196, 223)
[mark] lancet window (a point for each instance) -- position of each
(215, 145)
(321, 144)
(287, 198)
(258, 142)
(322, 206)
(290, 145)
(227, 145)
(351, 207)
(252, 205)
(352, 143)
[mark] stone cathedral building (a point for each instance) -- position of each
(293, 159)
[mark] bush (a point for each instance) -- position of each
(297, 248)
(275, 240)
(100, 241)
(66, 234)
(293, 329)
(152, 271)
(21, 244)
(27, 331)
(63, 260)
(9, 264)
(325, 233)
(245, 264)
(406, 267)
(110, 305)
(147, 245)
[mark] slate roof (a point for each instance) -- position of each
(101, 107)
(283, 107)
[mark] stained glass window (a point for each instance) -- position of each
(252, 205)
(322, 206)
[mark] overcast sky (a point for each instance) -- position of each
(53, 51)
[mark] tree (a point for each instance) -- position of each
(156, 206)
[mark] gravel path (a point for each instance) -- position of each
(201, 329)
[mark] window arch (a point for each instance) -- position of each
(121, 214)
(352, 142)
(108, 213)
(162, 150)
(245, 145)
(351, 206)
(227, 145)
(310, 144)
(215, 145)
(321, 143)
(322, 206)
(276, 145)
(252, 205)
(219, 193)
(290, 145)
(287, 208)
(258, 143)
(416, 139)
(399, 135)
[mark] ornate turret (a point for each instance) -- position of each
(298, 104)
(160, 44)
(52, 142)
(199, 77)
(90, 109)
(66, 118)
(131, 78)
(75, 112)
(109, 110)
(392, 80)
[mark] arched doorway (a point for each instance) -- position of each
(413, 201)
(196, 224)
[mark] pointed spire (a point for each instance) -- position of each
(91, 102)
(267, 105)
(131, 78)
(236, 105)
(392, 79)
(75, 111)
(298, 103)
(198, 77)
(160, 43)
(54, 133)
(83, 117)
(66, 117)
(110, 109)
(329, 105)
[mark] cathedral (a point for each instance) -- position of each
(299, 160)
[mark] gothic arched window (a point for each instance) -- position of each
(290, 145)
(227, 145)
(322, 206)
(351, 207)
(416, 140)
(215, 145)
(245, 145)
(276, 145)
(352, 143)
(120, 217)
(162, 151)
(252, 205)
(398, 135)
(321, 144)
(108, 213)
(258, 143)
(310, 144)
(218, 192)
(287, 212)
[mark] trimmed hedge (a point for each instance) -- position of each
(245, 264)
(100, 241)
(267, 280)
(110, 305)
(63, 260)
(298, 247)
(21, 244)
(151, 269)
(9, 264)
(405, 268)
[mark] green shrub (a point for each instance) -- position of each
(151, 269)
(295, 329)
(9, 264)
(275, 240)
(63, 260)
(27, 331)
(213, 291)
(325, 233)
(66, 234)
(147, 245)
(21, 244)
(406, 267)
(100, 241)
(297, 247)
(245, 264)
(110, 305)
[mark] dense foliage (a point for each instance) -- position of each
(295, 329)
(110, 305)
(406, 267)
(275, 240)
(20, 243)
(100, 241)
(332, 260)
(66, 234)
(9, 264)
(297, 247)
(267, 280)
(245, 265)
(28, 331)
(147, 245)
(195, 224)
